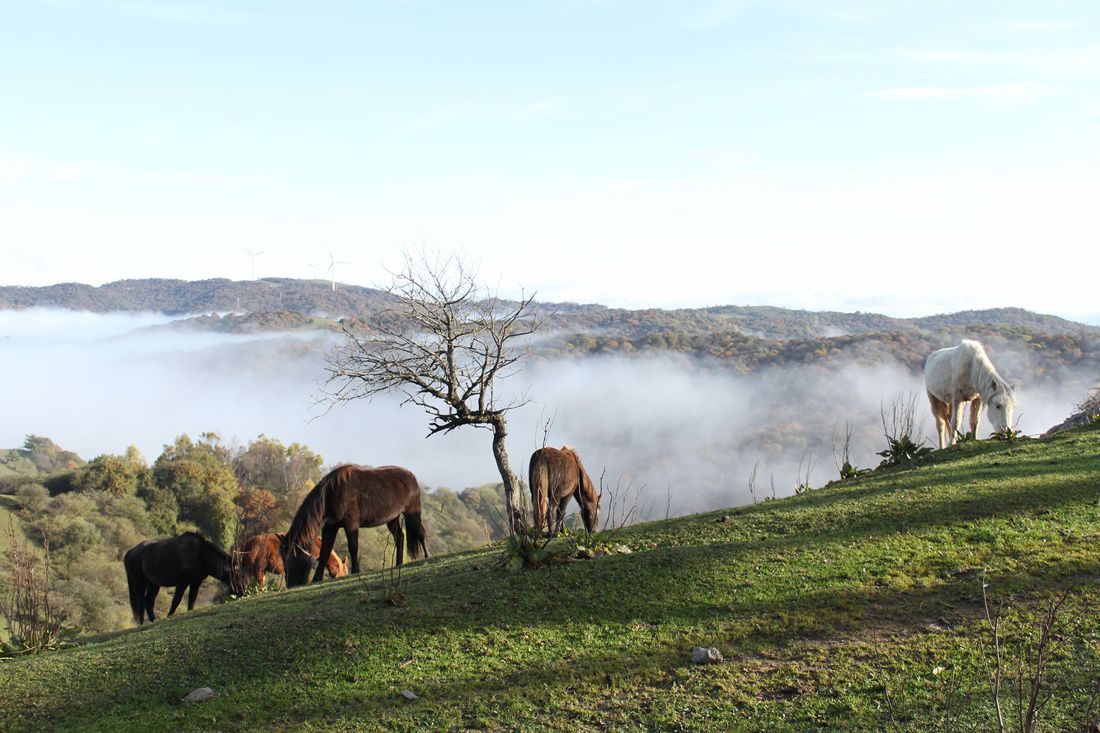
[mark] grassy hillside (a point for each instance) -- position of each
(825, 606)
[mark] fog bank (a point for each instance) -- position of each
(683, 434)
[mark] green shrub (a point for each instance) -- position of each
(903, 450)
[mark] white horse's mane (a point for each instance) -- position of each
(989, 382)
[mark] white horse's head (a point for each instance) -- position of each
(1000, 408)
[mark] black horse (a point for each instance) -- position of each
(180, 561)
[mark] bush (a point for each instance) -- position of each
(903, 450)
(27, 602)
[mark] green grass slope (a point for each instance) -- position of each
(823, 605)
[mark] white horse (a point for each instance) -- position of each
(964, 374)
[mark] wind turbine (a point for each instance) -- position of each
(314, 265)
(254, 255)
(332, 263)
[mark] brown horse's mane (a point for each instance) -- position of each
(311, 514)
(584, 482)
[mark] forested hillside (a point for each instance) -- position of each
(90, 512)
(316, 297)
(745, 339)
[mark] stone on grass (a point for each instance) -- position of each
(705, 655)
(200, 695)
(409, 695)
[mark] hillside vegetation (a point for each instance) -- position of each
(854, 607)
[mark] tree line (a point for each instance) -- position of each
(88, 513)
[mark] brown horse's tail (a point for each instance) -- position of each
(538, 481)
(135, 579)
(416, 537)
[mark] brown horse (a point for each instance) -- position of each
(182, 561)
(352, 497)
(554, 476)
(260, 555)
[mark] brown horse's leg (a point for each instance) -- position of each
(193, 594)
(151, 600)
(352, 535)
(398, 538)
(328, 539)
(561, 508)
(177, 597)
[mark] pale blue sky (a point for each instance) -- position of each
(905, 157)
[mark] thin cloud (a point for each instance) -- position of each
(17, 169)
(1060, 62)
(1038, 26)
(1018, 91)
(186, 14)
(541, 108)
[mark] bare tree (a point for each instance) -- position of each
(899, 418)
(842, 456)
(443, 344)
(752, 480)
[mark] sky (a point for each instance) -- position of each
(899, 157)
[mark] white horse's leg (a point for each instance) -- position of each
(956, 419)
(975, 415)
(940, 414)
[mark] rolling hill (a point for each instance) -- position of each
(316, 297)
(743, 339)
(854, 607)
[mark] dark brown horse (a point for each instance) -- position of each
(352, 497)
(260, 555)
(554, 476)
(181, 561)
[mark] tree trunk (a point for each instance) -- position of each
(513, 496)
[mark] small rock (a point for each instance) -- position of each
(409, 695)
(705, 655)
(723, 519)
(200, 695)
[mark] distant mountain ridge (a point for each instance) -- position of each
(311, 298)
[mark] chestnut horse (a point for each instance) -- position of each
(260, 555)
(555, 476)
(182, 561)
(352, 497)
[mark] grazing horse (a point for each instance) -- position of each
(554, 476)
(352, 497)
(181, 561)
(963, 374)
(261, 555)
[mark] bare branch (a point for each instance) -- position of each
(443, 345)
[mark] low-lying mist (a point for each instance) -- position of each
(678, 435)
